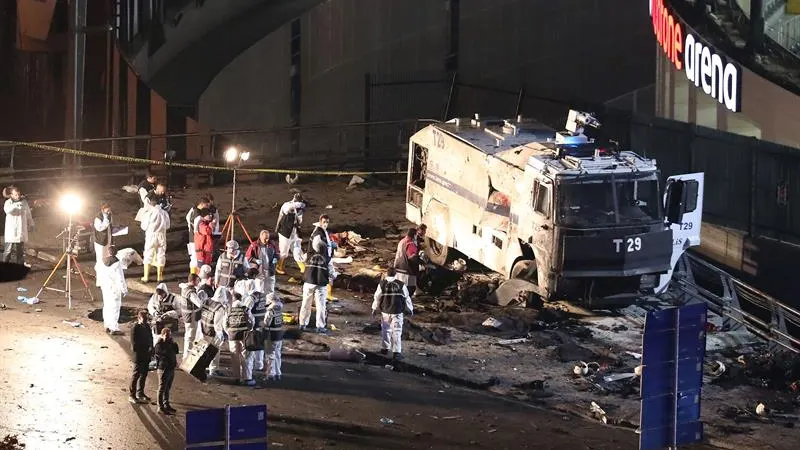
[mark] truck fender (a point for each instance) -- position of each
(437, 216)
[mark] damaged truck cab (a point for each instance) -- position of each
(579, 220)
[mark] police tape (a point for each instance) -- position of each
(130, 159)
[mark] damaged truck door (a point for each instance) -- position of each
(683, 208)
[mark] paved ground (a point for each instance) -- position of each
(65, 387)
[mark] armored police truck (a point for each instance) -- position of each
(580, 219)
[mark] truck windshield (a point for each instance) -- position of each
(605, 202)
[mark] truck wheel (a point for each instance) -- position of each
(437, 253)
(525, 269)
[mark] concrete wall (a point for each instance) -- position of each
(591, 49)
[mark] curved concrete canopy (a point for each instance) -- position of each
(206, 40)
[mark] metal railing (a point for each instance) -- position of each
(786, 33)
(740, 305)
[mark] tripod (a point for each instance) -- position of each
(227, 228)
(72, 260)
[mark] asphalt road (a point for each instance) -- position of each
(65, 387)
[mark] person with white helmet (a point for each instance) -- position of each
(111, 278)
(212, 322)
(273, 325)
(230, 266)
(239, 320)
(161, 307)
(289, 220)
(188, 306)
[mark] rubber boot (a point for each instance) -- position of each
(301, 266)
(160, 273)
(194, 270)
(279, 268)
(330, 293)
(146, 277)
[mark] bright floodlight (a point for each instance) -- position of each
(70, 203)
(245, 156)
(231, 154)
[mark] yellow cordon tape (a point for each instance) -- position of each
(130, 159)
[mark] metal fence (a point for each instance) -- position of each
(750, 184)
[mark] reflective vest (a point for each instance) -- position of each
(165, 304)
(392, 299)
(316, 272)
(102, 237)
(189, 311)
(207, 314)
(276, 321)
(238, 322)
(287, 224)
(230, 269)
(259, 308)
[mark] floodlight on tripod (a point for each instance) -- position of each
(70, 204)
(234, 158)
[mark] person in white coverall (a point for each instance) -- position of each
(317, 276)
(290, 218)
(161, 306)
(155, 225)
(212, 323)
(391, 299)
(111, 278)
(273, 326)
(238, 320)
(189, 304)
(102, 236)
(18, 221)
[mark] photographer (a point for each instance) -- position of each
(18, 222)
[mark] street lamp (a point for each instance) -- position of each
(234, 158)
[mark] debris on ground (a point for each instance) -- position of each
(597, 412)
(491, 322)
(73, 323)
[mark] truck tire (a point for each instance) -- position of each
(437, 253)
(524, 269)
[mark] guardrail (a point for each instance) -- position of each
(740, 305)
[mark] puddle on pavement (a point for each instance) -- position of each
(126, 314)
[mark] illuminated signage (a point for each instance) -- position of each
(702, 65)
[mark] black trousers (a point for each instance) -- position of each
(141, 365)
(164, 385)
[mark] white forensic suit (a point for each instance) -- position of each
(161, 308)
(273, 326)
(290, 216)
(189, 304)
(317, 234)
(256, 303)
(267, 260)
(316, 279)
(18, 221)
(111, 279)
(155, 225)
(391, 299)
(238, 320)
(212, 322)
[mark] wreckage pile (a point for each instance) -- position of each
(779, 371)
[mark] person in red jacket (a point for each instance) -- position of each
(204, 238)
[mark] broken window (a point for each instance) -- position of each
(541, 199)
(419, 166)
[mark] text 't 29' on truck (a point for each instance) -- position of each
(580, 220)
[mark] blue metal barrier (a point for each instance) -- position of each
(228, 428)
(674, 345)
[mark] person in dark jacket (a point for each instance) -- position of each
(166, 351)
(142, 344)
